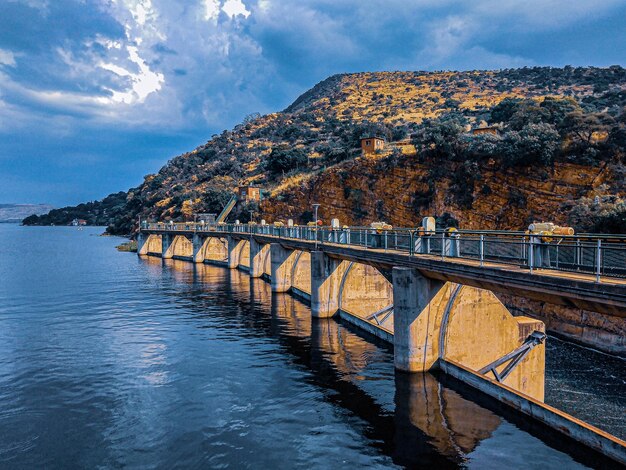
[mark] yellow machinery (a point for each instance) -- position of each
(547, 232)
(549, 229)
(380, 226)
(541, 234)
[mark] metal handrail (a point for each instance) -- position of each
(597, 254)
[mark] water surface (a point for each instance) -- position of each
(107, 360)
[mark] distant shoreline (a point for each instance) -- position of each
(19, 222)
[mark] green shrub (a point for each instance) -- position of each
(283, 160)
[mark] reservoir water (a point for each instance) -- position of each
(110, 361)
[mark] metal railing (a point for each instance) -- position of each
(600, 255)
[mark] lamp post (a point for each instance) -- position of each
(315, 208)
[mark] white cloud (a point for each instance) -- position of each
(7, 58)
(143, 83)
(211, 9)
(232, 8)
(235, 8)
(142, 10)
(449, 35)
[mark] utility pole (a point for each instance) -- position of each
(315, 208)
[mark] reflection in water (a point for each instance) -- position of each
(455, 426)
(412, 418)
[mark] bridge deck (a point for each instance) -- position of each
(553, 286)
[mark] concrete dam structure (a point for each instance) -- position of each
(432, 295)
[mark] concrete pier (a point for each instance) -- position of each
(141, 243)
(415, 349)
(258, 252)
(326, 275)
(166, 241)
(234, 251)
(198, 252)
(282, 261)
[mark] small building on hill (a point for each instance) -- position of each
(493, 130)
(371, 144)
(249, 193)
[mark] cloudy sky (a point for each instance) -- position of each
(95, 94)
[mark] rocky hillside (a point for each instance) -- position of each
(556, 153)
(111, 208)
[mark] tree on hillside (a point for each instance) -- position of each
(440, 138)
(516, 113)
(503, 111)
(603, 214)
(581, 126)
(533, 144)
(282, 160)
(483, 146)
(251, 118)
(187, 209)
(527, 112)
(558, 108)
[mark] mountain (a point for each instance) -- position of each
(554, 151)
(94, 213)
(17, 212)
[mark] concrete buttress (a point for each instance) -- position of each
(142, 246)
(234, 251)
(258, 252)
(166, 241)
(198, 252)
(282, 260)
(414, 349)
(326, 276)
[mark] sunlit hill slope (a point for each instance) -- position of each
(558, 153)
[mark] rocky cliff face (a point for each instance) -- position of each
(366, 189)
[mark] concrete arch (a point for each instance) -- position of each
(214, 250)
(180, 248)
(152, 246)
(463, 325)
(301, 273)
(479, 329)
(363, 292)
